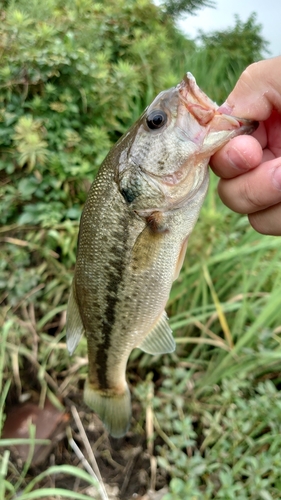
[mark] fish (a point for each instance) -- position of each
(134, 229)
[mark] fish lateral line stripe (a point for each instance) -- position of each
(112, 300)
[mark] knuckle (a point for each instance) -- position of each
(253, 70)
(251, 198)
(258, 224)
(251, 75)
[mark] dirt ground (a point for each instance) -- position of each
(127, 466)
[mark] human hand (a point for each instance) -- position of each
(250, 166)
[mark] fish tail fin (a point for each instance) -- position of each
(114, 410)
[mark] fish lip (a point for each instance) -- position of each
(205, 110)
(246, 126)
(249, 124)
(195, 100)
(242, 125)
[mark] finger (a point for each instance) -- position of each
(257, 91)
(273, 133)
(261, 134)
(267, 221)
(238, 156)
(256, 190)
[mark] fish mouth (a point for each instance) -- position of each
(196, 101)
(225, 122)
(207, 113)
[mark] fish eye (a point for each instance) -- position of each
(156, 119)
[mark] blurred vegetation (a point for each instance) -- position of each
(74, 75)
(176, 8)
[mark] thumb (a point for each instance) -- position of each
(257, 91)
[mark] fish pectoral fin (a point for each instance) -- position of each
(160, 339)
(180, 259)
(146, 248)
(74, 325)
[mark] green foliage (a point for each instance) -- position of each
(178, 7)
(222, 55)
(30, 492)
(30, 146)
(231, 40)
(72, 74)
(227, 445)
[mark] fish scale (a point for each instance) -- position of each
(133, 235)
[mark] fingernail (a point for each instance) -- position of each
(237, 159)
(276, 177)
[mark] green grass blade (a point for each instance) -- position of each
(3, 472)
(55, 492)
(61, 469)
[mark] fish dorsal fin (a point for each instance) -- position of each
(74, 325)
(160, 339)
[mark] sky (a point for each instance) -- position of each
(222, 16)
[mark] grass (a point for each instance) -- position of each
(213, 421)
(30, 491)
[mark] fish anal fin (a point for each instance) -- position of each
(180, 259)
(74, 325)
(160, 339)
(114, 410)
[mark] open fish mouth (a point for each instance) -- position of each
(196, 101)
(207, 112)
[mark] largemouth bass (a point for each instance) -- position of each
(133, 235)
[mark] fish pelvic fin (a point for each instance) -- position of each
(74, 325)
(160, 339)
(114, 410)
